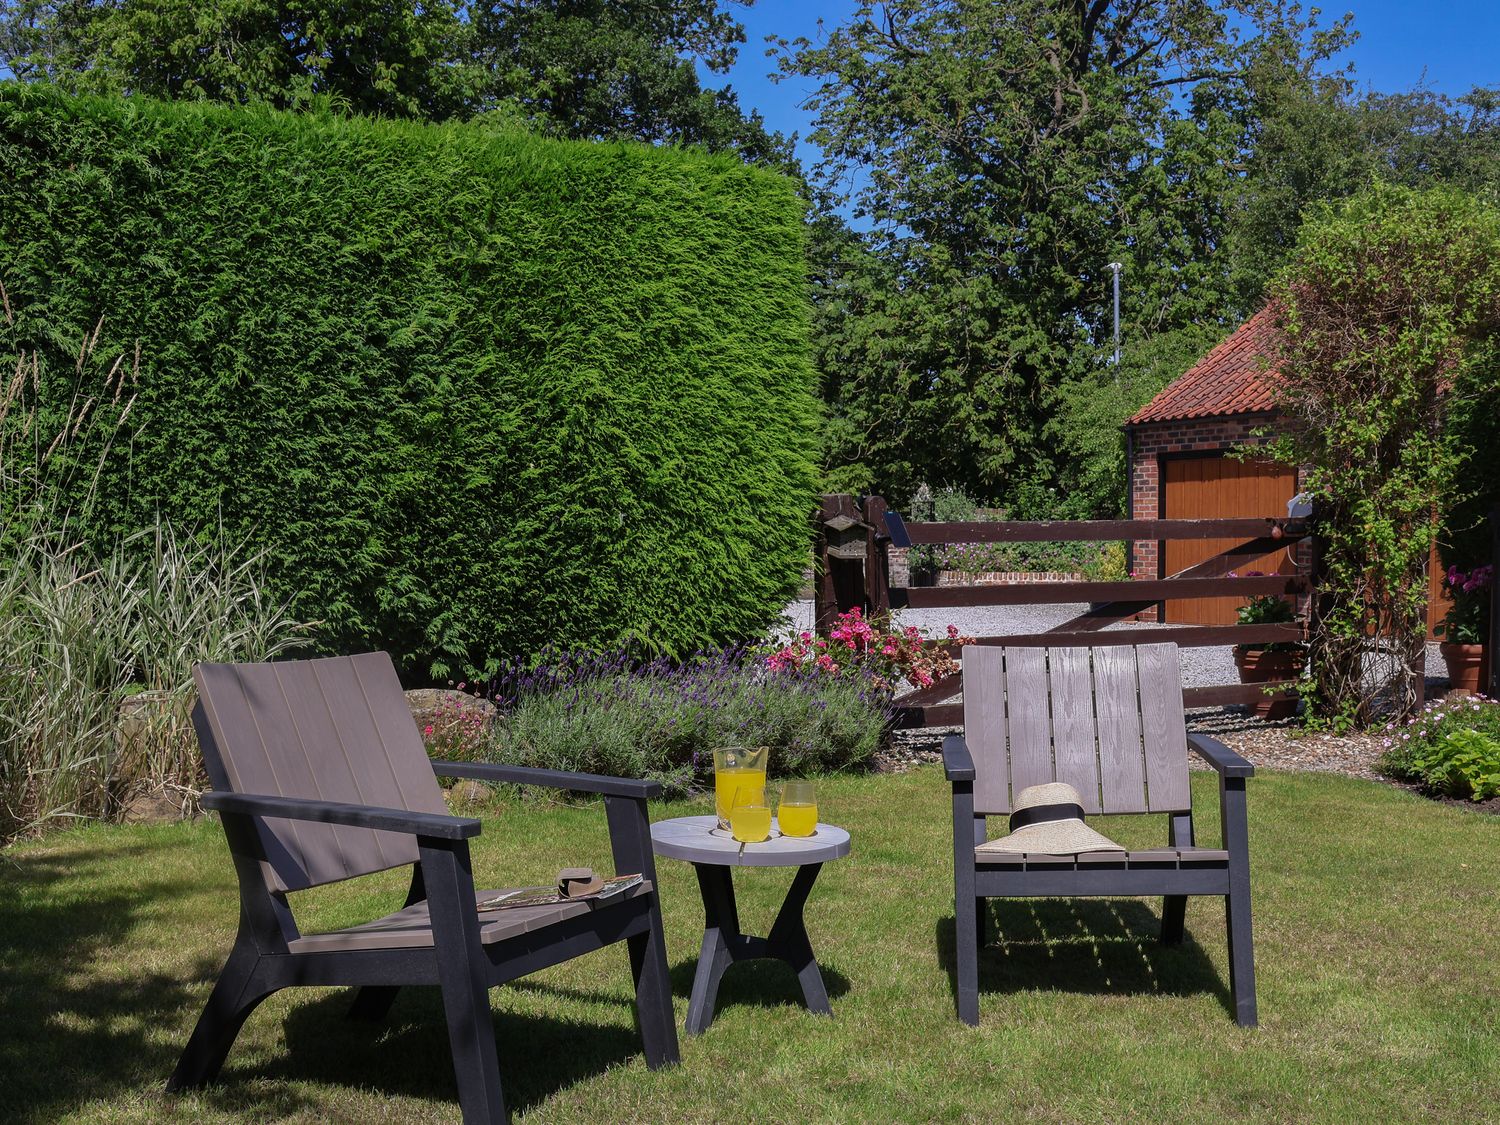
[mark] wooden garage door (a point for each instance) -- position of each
(1220, 488)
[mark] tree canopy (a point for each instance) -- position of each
(1003, 154)
(586, 69)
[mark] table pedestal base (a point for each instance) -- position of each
(723, 944)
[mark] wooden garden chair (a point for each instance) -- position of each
(1109, 722)
(320, 775)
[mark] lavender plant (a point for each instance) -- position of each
(662, 720)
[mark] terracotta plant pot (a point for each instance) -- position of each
(1468, 666)
(1259, 666)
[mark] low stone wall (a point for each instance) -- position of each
(1004, 577)
(901, 575)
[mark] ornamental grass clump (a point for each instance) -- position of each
(1451, 748)
(662, 720)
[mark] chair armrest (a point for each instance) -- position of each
(432, 825)
(552, 779)
(1221, 757)
(958, 763)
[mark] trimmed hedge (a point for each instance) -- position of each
(474, 392)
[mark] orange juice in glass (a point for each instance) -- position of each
(737, 769)
(750, 818)
(797, 815)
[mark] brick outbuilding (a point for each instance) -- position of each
(1180, 469)
(1179, 466)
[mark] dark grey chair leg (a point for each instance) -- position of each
(967, 830)
(1174, 907)
(238, 990)
(653, 994)
(981, 923)
(461, 974)
(1237, 902)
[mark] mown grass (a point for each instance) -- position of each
(1376, 918)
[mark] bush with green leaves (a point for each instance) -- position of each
(1389, 312)
(1450, 748)
(950, 504)
(469, 391)
(663, 720)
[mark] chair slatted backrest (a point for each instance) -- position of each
(332, 730)
(1108, 721)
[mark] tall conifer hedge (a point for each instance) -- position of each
(473, 392)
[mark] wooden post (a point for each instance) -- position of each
(839, 583)
(825, 599)
(1492, 689)
(877, 558)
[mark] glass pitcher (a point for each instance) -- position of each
(737, 768)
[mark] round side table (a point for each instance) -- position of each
(714, 854)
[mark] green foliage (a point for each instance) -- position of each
(596, 69)
(1004, 154)
(663, 722)
(470, 392)
(951, 504)
(1452, 748)
(1393, 296)
(79, 630)
(1093, 407)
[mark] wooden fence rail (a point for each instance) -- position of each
(846, 580)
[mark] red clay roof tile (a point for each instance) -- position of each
(1230, 379)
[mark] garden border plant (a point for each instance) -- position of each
(1389, 311)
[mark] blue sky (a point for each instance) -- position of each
(1452, 45)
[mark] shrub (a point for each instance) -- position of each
(1451, 747)
(1102, 562)
(663, 720)
(876, 651)
(1390, 304)
(468, 391)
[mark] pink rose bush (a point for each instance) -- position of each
(875, 648)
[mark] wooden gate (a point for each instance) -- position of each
(1247, 539)
(1217, 488)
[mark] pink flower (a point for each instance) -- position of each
(427, 729)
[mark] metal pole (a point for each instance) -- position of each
(1116, 267)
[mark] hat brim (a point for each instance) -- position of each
(1051, 837)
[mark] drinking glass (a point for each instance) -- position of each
(750, 819)
(797, 814)
(737, 768)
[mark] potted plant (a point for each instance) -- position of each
(1273, 662)
(1465, 627)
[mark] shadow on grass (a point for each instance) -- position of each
(1104, 946)
(763, 983)
(79, 1024)
(68, 1035)
(408, 1052)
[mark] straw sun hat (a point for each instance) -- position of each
(1048, 820)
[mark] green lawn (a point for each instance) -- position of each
(1376, 921)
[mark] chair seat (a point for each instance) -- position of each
(1152, 859)
(411, 927)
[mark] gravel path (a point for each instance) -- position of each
(1276, 745)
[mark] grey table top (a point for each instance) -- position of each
(698, 839)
